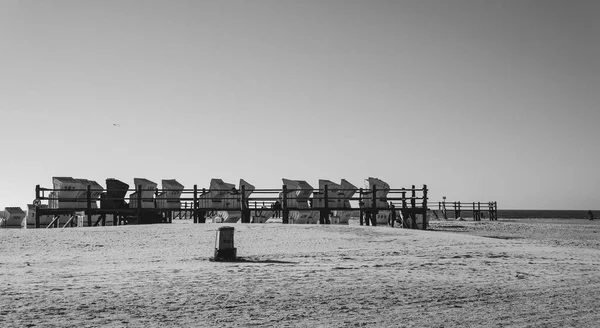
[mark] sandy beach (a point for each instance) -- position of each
(517, 273)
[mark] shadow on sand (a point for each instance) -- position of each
(504, 237)
(240, 259)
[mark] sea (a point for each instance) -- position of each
(546, 214)
(530, 214)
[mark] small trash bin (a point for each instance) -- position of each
(224, 245)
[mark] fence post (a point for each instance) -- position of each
(495, 211)
(324, 217)
(244, 206)
(444, 208)
(284, 206)
(195, 205)
(425, 220)
(202, 213)
(243, 197)
(361, 204)
(374, 207)
(455, 212)
(89, 205)
(156, 199)
(139, 203)
(413, 204)
(36, 203)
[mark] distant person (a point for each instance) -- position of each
(444, 211)
(392, 216)
(361, 204)
(262, 211)
(367, 218)
(590, 215)
(277, 208)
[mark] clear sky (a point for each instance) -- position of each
(480, 100)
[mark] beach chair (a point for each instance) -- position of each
(114, 197)
(232, 201)
(65, 196)
(147, 193)
(298, 195)
(170, 196)
(221, 197)
(44, 219)
(95, 191)
(381, 203)
(13, 217)
(65, 192)
(346, 192)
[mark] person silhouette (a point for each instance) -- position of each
(590, 215)
(277, 208)
(392, 216)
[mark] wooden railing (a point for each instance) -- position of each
(457, 208)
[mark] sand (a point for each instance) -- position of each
(522, 274)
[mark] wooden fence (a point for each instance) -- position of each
(457, 208)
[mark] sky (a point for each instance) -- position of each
(479, 100)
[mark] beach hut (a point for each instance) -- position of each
(170, 196)
(13, 217)
(148, 190)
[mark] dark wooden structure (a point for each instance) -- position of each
(197, 203)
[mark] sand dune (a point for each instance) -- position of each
(302, 276)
